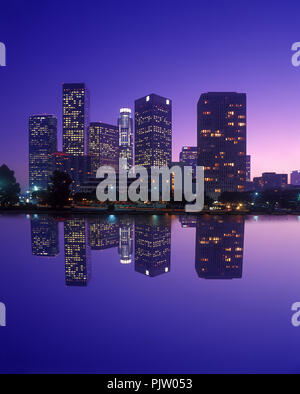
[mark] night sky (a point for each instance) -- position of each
(124, 50)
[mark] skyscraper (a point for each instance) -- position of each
(125, 126)
(222, 141)
(153, 131)
(103, 146)
(75, 118)
(42, 143)
(189, 156)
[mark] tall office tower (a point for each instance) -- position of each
(42, 143)
(126, 136)
(189, 156)
(248, 168)
(295, 178)
(75, 118)
(153, 131)
(103, 146)
(222, 141)
(126, 239)
(103, 233)
(152, 246)
(219, 247)
(77, 252)
(44, 236)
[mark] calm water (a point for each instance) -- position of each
(157, 294)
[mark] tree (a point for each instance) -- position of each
(9, 188)
(59, 191)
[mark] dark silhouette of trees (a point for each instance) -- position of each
(9, 188)
(59, 191)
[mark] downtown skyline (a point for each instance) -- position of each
(196, 61)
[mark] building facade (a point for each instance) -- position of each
(103, 146)
(42, 143)
(295, 178)
(189, 156)
(222, 141)
(269, 181)
(153, 131)
(125, 125)
(75, 118)
(78, 167)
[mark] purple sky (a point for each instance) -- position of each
(125, 50)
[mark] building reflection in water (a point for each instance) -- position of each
(188, 221)
(219, 243)
(103, 232)
(152, 245)
(44, 236)
(220, 247)
(77, 252)
(125, 248)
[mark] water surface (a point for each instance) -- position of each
(149, 294)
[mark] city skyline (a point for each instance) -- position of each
(189, 62)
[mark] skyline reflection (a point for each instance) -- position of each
(220, 247)
(142, 240)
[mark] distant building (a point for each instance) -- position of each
(295, 178)
(248, 168)
(189, 156)
(75, 118)
(270, 180)
(103, 146)
(125, 125)
(44, 236)
(153, 131)
(222, 141)
(42, 143)
(219, 247)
